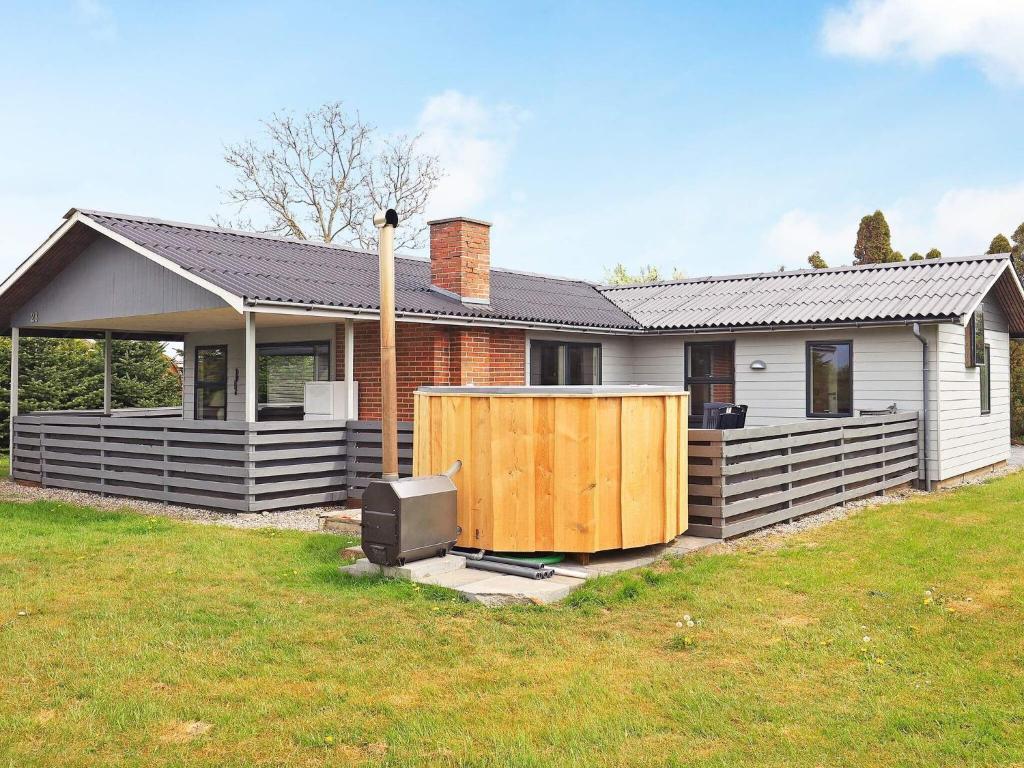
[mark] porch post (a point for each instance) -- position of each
(350, 361)
(108, 370)
(15, 343)
(251, 385)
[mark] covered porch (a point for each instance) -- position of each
(240, 441)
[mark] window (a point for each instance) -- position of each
(710, 375)
(974, 341)
(211, 383)
(830, 378)
(556, 362)
(283, 370)
(986, 381)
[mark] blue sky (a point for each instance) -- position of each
(711, 137)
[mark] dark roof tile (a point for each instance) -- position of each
(277, 269)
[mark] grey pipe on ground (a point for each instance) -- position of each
(511, 570)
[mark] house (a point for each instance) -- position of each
(259, 316)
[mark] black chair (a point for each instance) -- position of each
(712, 413)
(733, 417)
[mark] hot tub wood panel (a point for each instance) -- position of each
(565, 472)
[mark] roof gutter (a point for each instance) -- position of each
(359, 313)
(799, 326)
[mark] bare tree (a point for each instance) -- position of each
(322, 176)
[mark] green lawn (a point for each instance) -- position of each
(5, 465)
(149, 642)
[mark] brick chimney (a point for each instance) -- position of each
(460, 258)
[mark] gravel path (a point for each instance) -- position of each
(293, 520)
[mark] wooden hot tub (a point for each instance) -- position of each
(559, 469)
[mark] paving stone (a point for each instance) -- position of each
(456, 579)
(496, 589)
(416, 571)
(503, 589)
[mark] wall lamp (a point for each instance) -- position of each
(758, 365)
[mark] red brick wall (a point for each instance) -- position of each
(432, 355)
(507, 358)
(460, 257)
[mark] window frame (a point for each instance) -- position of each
(314, 343)
(711, 380)
(985, 382)
(809, 413)
(563, 360)
(197, 386)
(971, 339)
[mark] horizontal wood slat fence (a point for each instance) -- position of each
(745, 479)
(739, 480)
(365, 461)
(228, 465)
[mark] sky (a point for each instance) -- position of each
(706, 137)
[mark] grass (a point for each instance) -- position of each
(150, 642)
(5, 465)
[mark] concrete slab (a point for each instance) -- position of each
(417, 571)
(605, 563)
(496, 589)
(684, 544)
(500, 589)
(457, 579)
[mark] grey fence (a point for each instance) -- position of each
(364, 454)
(228, 465)
(739, 480)
(744, 479)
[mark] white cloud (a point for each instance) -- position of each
(96, 17)
(473, 142)
(989, 32)
(798, 234)
(961, 222)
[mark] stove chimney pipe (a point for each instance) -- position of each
(386, 221)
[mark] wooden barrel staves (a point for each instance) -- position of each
(559, 469)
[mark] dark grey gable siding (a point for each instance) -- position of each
(108, 280)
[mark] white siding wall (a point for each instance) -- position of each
(235, 341)
(968, 440)
(616, 354)
(659, 360)
(886, 369)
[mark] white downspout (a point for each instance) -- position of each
(924, 405)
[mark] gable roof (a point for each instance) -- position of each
(264, 268)
(246, 268)
(936, 290)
